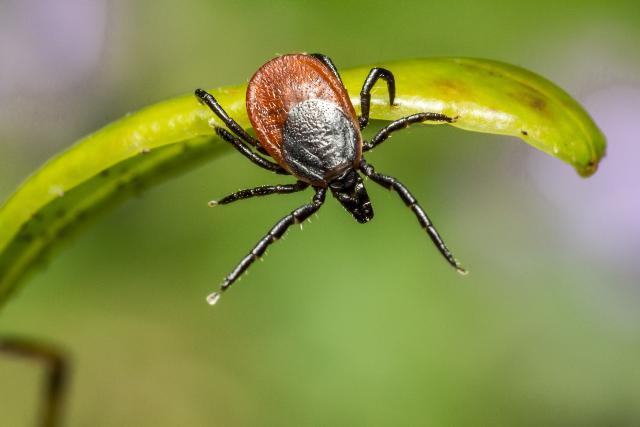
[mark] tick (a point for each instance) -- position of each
(305, 122)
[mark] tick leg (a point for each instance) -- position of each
(278, 230)
(213, 104)
(264, 190)
(57, 373)
(246, 151)
(328, 62)
(365, 93)
(402, 123)
(391, 183)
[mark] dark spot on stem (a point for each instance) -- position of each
(451, 87)
(81, 216)
(137, 185)
(537, 103)
(62, 233)
(524, 132)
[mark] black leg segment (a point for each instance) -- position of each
(208, 99)
(57, 374)
(365, 93)
(246, 151)
(328, 62)
(402, 123)
(278, 230)
(393, 184)
(264, 190)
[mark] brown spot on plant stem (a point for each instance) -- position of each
(537, 103)
(451, 87)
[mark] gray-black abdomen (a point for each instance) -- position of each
(319, 141)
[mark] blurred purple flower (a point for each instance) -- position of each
(46, 45)
(601, 214)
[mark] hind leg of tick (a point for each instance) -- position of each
(365, 94)
(209, 100)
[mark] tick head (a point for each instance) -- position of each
(349, 189)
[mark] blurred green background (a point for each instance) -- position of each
(343, 324)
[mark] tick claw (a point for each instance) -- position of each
(214, 298)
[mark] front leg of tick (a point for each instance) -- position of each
(392, 183)
(278, 230)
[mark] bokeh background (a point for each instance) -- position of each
(343, 324)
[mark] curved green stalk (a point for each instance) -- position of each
(159, 141)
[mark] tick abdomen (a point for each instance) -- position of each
(319, 141)
(282, 85)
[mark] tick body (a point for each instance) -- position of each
(304, 119)
(305, 122)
